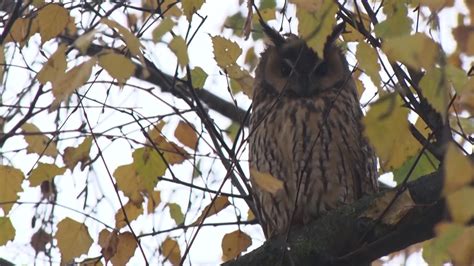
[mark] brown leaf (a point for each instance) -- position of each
(266, 181)
(403, 203)
(218, 205)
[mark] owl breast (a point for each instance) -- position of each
(315, 146)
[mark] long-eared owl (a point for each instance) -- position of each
(305, 130)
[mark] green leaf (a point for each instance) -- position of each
(176, 213)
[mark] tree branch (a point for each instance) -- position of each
(343, 238)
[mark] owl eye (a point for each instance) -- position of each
(285, 68)
(321, 69)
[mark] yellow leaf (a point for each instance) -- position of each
(7, 231)
(266, 181)
(169, 8)
(386, 127)
(10, 185)
(72, 156)
(22, 30)
(219, 204)
(84, 41)
(234, 243)
(179, 48)
(423, 52)
(226, 52)
(54, 67)
(309, 5)
(133, 43)
(186, 134)
(170, 250)
(52, 20)
(398, 23)
(315, 26)
(458, 170)
(397, 211)
(198, 77)
(127, 246)
(171, 152)
(154, 200)
(148, 165)
(250, 215)
(164, 27)
(132, 210)
(434, 88)
(452, 242)
(460, 211)
(176, 213)
(65, 85)
(37, 142)
(461, 250)
(118, 66)
(190, 7)
(44, 172)
(368, 61)
(73, 239)
(130, 183)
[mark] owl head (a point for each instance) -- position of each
(290, 68)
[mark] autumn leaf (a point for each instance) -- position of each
(423, 52)
(170, 250)
(218, 205)
(198, 77)
(316, 22)
(452, 242)
(52, 20)
(65, 85)
(22, 30)
(172, 153)
(149, 165)
(10, 185)
(386, 127)
(127, 245)
(72, 156)
(190, 7)
(164, 27)
(460, 211)
(226, 51)
(180, 49)
(234, 243)
(7, 231)
(44, 172)
(108, 241)
(397, 211)
(186, 134)
(435, 89)
(132, 184)
(39, 240)
(176, 213)
(154, 200)
(118, 66)
(73, 239)
(37, 142)
(265, 181)
(132, 210)
(368, 61)
(464, 36)
(458, 170)
(54, 67)
(398, 23)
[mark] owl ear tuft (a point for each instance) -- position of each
(272, 34)
(330, 47)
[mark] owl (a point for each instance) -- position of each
(306, 130)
